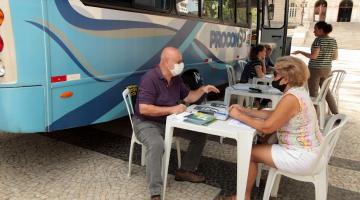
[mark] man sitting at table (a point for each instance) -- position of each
(160, 91)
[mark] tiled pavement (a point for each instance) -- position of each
(87, 163)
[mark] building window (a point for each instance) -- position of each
(345, 10)
(228, 11)
(210, 9)
(188, 7)
(292, 10)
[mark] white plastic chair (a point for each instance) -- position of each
(230, 74)
(240, 69)
(129, 106)
(338, 78)
(320, 101)
(232, 81)
(319, 174)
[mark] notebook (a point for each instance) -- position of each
(199, 118)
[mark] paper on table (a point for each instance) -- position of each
(268, 76)
(272, 90)
(241, 86)
(181, 116)
(237, 123)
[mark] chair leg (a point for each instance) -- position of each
(275, 187)
(269, 183)
(258, 176)
(321, 185)
(131, 154)
(178, 149)
(143, 155)
(322, 115)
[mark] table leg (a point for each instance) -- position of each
(167, 149)
(244, 145)
(227, 97)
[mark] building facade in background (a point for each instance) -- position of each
(305, 11)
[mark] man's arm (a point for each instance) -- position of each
(156, 111)
(194, 95)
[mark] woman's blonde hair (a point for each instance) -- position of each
(294, 68)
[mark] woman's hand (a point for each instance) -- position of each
(235, 106)
(235, 111)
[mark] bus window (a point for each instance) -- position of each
(273, 14)
(210, 9)
(241, 12)
(155, 4)
(228, 11)
(187, 7)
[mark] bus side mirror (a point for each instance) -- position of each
(271, 11)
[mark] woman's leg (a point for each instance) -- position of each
(259, 154)
(314, 82)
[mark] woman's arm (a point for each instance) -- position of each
(287, 108)
(262, 114)
(313, 55)
(335, 55)
(259, 71)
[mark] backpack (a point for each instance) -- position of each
(193, 80)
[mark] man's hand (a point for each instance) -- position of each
(194, 95)
(178, 109)
(296, 52)
(210, 88)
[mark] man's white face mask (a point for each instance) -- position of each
(178, 68)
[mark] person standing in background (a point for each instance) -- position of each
(323, 50)
(269, 64)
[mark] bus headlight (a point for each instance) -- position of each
(2, 69)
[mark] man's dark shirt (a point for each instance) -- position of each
(155, 90)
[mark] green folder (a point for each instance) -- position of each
(200, 118)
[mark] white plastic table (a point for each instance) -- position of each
(242, 89)
(242, 133)
(267, 79)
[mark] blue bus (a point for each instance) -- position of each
(63, 64)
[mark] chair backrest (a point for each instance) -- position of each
(338, 78)
(129, 94)
(241, 64)
(231, 74)
(324, 89)
(331, 135)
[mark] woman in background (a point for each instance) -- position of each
(323, 51)
(255, 67)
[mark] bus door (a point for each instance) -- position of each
(273, 26)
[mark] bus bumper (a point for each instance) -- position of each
(22, 109)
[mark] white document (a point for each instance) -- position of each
(237, 123)
(269, 76)
(181, 116)
(241, 86)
